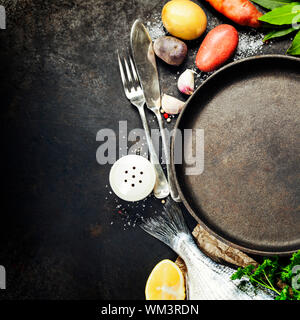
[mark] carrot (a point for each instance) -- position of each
(242, 12)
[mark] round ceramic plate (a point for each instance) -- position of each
(249, 192)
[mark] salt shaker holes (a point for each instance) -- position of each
(137, 175)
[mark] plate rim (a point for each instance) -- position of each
(173, 169)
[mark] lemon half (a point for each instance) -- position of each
(165, 282)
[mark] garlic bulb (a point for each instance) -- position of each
(186, 82)
(171, 105)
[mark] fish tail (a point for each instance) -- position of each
(168, 226)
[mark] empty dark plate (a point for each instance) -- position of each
(249, 192)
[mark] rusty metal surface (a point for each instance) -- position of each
(61, 235)
(249, 192)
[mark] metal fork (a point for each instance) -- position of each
(134, 93)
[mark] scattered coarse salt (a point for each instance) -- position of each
(155, 26)
(250, 44)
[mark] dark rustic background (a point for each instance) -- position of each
(62, 235)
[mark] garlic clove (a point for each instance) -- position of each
(186, 82)
(171, 105)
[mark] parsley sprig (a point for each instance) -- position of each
(270, 273)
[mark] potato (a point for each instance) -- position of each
(170, 50)
(217, 47)
(184, 19)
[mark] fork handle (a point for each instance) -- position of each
(161, 188)
(166, 148)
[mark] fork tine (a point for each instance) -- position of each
(133, 70)
(128, 71)
(121, 71)
(122, 75)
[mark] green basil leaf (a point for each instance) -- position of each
(278, 33)
(294, 49)
(272, 4)
(283, 15)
